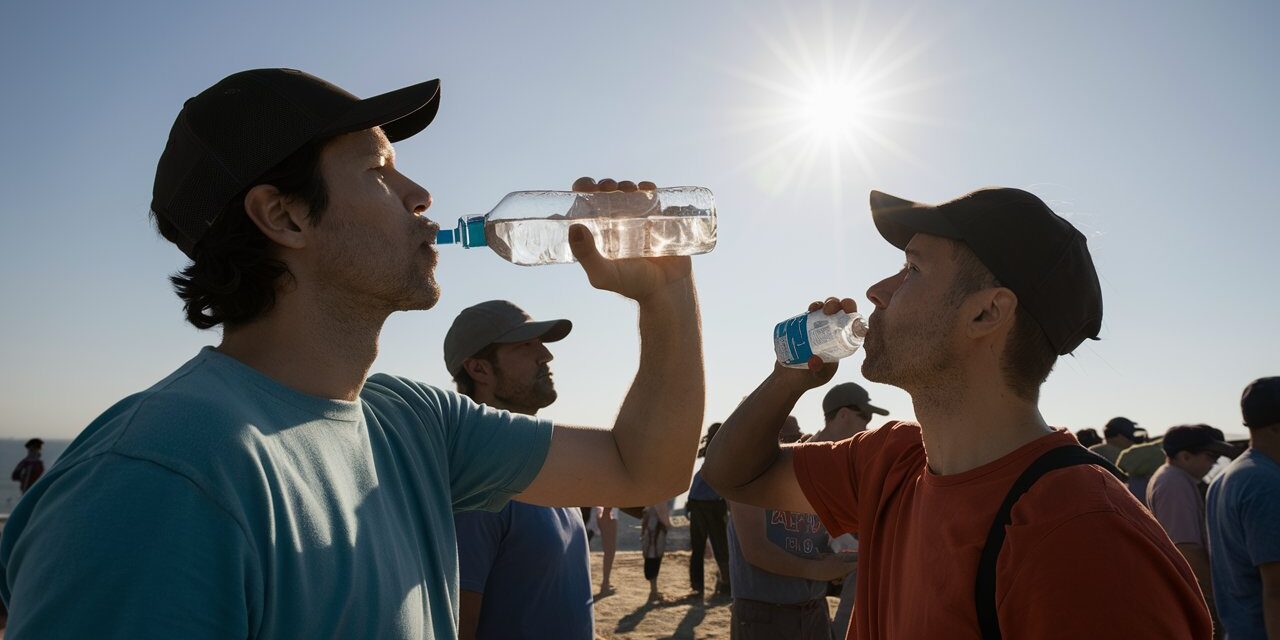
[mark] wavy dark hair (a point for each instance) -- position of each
(234, 274)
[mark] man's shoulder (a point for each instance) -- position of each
(1070, 492)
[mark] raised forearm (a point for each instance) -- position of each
(657, 428)
(747, 443)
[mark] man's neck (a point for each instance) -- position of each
(965, 427)
(321, 348)
(1267, 444)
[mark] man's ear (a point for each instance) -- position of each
(991, 310)
(480, 370)
(280, 218)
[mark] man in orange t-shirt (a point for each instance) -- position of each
(996, 286)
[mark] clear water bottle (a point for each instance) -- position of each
(532, 227)
(830, 337)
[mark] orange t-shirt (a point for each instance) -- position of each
(1082, 558)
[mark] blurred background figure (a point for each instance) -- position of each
(707, 522)
(31, 467)
(1088, 437)
(1120, 434)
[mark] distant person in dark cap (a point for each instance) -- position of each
(1120, 434)
(524, 570)
(1088, 437)
(1174, 495)
(1244, 522)
(1008, 525)
(271, 487)
(846, 410)
(31, 467)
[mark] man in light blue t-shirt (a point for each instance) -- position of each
(524, 571)
(1244, 523)
(269, 487)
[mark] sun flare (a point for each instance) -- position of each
(833, 98)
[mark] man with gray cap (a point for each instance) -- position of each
(524, 571)
(846, 410)
(271, 488)
(994, 288)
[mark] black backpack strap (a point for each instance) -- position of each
(985, 586)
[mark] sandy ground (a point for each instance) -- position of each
(625, 614)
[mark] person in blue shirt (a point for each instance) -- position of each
(1243, 513)
(270, 487)
(524, 571)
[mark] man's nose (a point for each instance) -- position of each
(881, 292)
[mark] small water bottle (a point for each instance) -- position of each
(532, 227)
(830, 337)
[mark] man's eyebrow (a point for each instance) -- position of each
(914, 254)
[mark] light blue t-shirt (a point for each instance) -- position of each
(1244, 532)
(222, 504)
(532, 566)
(800, 534)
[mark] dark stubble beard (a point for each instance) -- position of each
(525, 396)
(912, 355)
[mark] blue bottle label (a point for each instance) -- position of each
(791, 340)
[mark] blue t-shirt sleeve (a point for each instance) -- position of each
(480, 536)
(493, 455)
(153, 557)
(1260, 514)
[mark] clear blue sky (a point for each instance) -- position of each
(1151, 125)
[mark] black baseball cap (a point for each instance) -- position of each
(1031, 250)
(1121, 426)
(1260, 403)
(1197, 437)
(249, 122)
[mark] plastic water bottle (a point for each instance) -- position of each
(532, 227)
(830, 337)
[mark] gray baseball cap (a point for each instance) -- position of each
(848, 394)
(495, 322)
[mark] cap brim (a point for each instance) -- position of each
(547, 331)
(899, 220)
(401, 113)
(1223, 449)
(877, 410)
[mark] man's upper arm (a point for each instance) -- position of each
(1079, 581)
(1270, 573)
(776, 488)
(824, 472)
(122, 548)
(493, 455)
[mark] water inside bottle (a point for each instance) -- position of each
(534, 241)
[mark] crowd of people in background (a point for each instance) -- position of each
(272, 488)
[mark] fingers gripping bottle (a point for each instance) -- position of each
(532, 227)
(830, 337)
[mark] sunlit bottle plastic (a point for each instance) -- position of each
(532, 227)
(830, 337)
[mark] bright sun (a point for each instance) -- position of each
(829, 100)
(831, 107)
